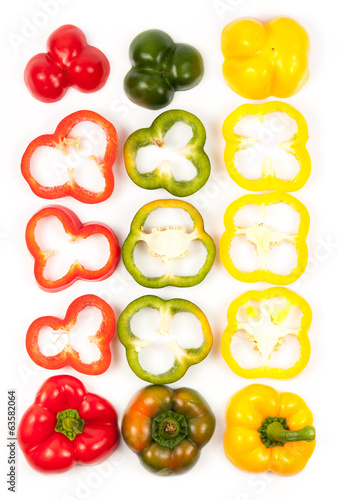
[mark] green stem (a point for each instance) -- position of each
(69, 423)
(169, 429)
(276, 432)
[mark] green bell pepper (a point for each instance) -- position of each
(183, 358)
(168, 244)
(159, 68)
(162, 177)
(167, 428)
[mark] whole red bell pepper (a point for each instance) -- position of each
(69, 61)
(62, 140)
(66, 425)
(76, 230)
(69, 356)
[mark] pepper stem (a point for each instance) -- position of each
(169, 429)
(274, 431)
(69, 423)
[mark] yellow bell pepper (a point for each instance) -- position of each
(268, 431)
(264, 239)
(261, 317)
(265, 59)
(295, 146)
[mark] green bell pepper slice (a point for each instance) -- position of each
(183, 358)
(161, 176)
(168, 244)
(159, 68)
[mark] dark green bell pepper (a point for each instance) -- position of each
(159, 68)
(168, 244)
(183, 358)
(161, 176)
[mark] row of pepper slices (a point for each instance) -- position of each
(266, 430)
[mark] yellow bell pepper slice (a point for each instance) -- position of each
(261, 317)
(295, 146)
(265, 59)
(264, 239)
(268, 431)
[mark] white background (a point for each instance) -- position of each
(111, 26)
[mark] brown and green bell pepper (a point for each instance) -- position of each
(183, 357)
(167, 428)
(161, 176)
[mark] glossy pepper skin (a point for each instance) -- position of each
(63, 140)
(69, 356)
(183, 357)
(76, 230)
(167, 428)
(162, 176)
(69, 61)
(268, 431)
(159, 68)
(264, 239)
(296, 146)
(67, 425)
(168, 244)
(265, 59)
(262, 317)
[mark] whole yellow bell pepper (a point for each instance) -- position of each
(261, 316)
(265, 59)
(295, 146)
(268, 431)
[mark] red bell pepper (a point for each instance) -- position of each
(69, 356)
(76, 230)
(69, 61)
(67, 425)
(62, 140)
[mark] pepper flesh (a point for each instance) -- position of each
(264, 239)
(247, 415)
(62, 140)
(156, 409)
(69, 356)
(162, 176)
(76, 230)
(261, 318)
(67, 425)
(183, 357)
(168, 244)
(295, 146)
(159, 68)
(265, 59)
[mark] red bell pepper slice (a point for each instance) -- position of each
(62, 140)
(67, 425)
(75, 229)
(69, 356)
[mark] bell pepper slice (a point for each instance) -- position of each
(159, 68)
(261, 316)
(183, 358)
(69, 356)
(264, 239)
(268, 431)
(66, 425)
(76, 230)
(295, 146)
(167, 244)
(167, 428)
(264, 59)
(162, 176)
(63, 140)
